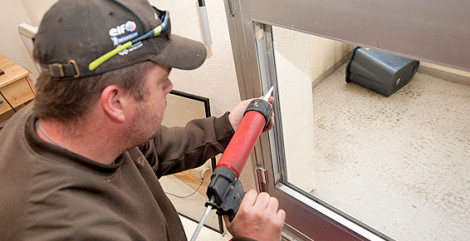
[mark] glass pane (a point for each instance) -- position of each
(400, 163)
(187, 189)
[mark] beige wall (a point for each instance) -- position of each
(325, 53)
(446, 69)
(450, 74)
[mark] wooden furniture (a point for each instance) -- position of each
(16, 88)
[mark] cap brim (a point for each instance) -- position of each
(181, 53)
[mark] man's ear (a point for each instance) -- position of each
(113, 101)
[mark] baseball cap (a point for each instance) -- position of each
(75, 33)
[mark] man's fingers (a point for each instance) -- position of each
(281, 214)
(262, 201)
(271, 121)
(271, 100)
(273, 205)
(258, 218)
(270, 124)
(249, 199)
(280, 218)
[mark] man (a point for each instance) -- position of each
(83, 161)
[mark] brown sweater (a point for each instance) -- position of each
(49, 193)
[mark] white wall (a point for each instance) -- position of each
(301, 59)
(216, 79)
(11, 46)
(294, 72)
(35, 9)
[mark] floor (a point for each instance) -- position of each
(399, 164)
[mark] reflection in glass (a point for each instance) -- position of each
(399, 164)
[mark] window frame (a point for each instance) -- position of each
(249, 24)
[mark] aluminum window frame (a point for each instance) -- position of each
(435, 32)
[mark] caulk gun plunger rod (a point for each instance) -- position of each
(203, 220)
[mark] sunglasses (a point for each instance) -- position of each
(163, 29)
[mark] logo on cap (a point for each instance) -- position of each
(129, 26)
(124, 33)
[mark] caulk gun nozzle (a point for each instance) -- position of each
(270, 91)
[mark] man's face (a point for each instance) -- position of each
(149, 112)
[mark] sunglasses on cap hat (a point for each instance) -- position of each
(163, 29)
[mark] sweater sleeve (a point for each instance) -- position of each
(175, 149)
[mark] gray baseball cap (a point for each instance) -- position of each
(81, 38)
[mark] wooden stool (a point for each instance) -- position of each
(16, 88)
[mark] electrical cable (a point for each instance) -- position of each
(178, 196)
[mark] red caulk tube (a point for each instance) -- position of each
(225, 190)
(244, 139)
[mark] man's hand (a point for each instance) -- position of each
(236, 115)
(258, 218)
